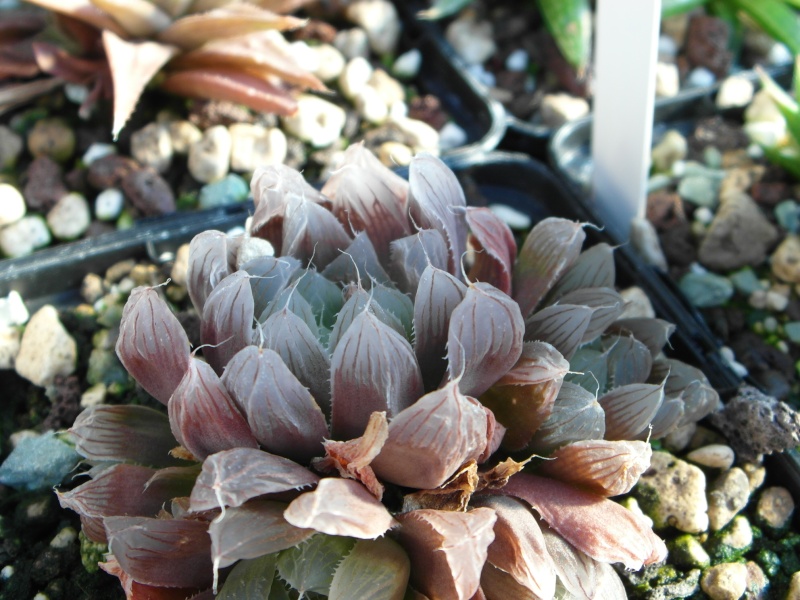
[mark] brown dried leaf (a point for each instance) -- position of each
(453, 495)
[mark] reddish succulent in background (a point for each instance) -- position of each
(225, 50)
(351, 433)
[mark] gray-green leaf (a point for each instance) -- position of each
(374, 570)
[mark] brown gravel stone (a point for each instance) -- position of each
(707, 44)
(109, 171)
(44, 185)
(148, 192)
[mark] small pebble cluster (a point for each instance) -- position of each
(59, 187)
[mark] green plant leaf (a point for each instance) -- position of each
(670, 8)
(443, 8)
(788, 158)
(786, 104)
(310, 566)
(250, 579)
(570, 24)
(776, 18)
(374, 570)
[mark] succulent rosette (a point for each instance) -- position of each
(396, 404)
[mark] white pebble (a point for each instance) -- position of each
(94, 395)
(716, 456)
(24, 236)
(152, 146)
(482, 75)
(407, 64)
(776, 301)
(700, 77)
(668, 78)
(779, 54)
(7, 572)
(517, 60)
(209, 157)
(76, 93)
(13, 310)
(704, 215)
(330, 61)
(70, 217)
(354, 77)
(667, 46)
(380, 20)
(64, 538)
(305, 56)
(108, 204)
(511, 216)
(734, 92)
(96, 151)
(9, 346)
(421, 136)
(352, 43)
(12, 204)
(472, 40)
(316, 121)
(451, 136)
(370, 105)
(398, 110)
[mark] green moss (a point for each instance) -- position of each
(91, 553)
(648, 500)
(687, 551)
(769, 562)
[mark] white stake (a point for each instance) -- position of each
(626, 48)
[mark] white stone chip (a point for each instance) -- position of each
(70, 217)
(12, 204)
(46, 350)
(108, 204)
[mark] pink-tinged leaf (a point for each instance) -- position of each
(233, 86)
(269, 277)
(252, 530)
(203, 417)
(396, 305)
(293, 302)
(300, 350)
(257, 52)
(495, 248)
(372, 369)
(162, 552)
(139, 18)
(495, 434)
(599, 527)
(410, 256)
(593, 268)
(551, 248)
(432, 438)
(18, 25)
(611, 585)
(233, 477)
(311, 231)
(629, 360)
(340, 507)
(519, 548)
(496, 584)
(134, 589)
(447, 550)
(209, 263)
(560, 325)
(227, 321)
(358, 261)
(436, 201)
(653, 333)
(523, 398)
(358, 302)
(578, 573)
(699, 400)
(233, 20)
(630, 408)
(84, 11)
(133, 65)
(282, 415)
(575, 415)
(152, 344)
(352, 458)
(667, 419)
(58, 62)
(438, 295)
(271, 187)
(606, 305)
(121, 490)
(368, 196)
(124, 433)
(484, 338)
(608, 468)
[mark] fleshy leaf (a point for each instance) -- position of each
(436, 201)
(576, 415)
(340, 507)
(589, 369)
(209, 263)
(667, 419)
(599, 527)
(152, 344)
(409, 257)
(254, 529)
(269, 276)
(539, 362)
(496, 584)
(233, 477)
(227, 323)
(368, 196)
(310, 230)
(495, 248)
(300, 350)
(551, 248)
(310, 567)
(121, 490)
(139, 18)
(249, 578)
(374, 570)
(608, 468)
(629, 360)
(577, 572)
(324, 296)
(630, 408)
(438, 295)
(358, 261)
(519, 548)
(397, 304)
(606, 305)
(203, 417)
(653, 333)
(84, 11)
(372, 369)
(233, 20)
(292, 302)
(484, 339)
(447, 550)
(594, 267)
(432, 438)
(133, 65)
(124, 433)
(282, 415)
(162, 552)
(562, 325)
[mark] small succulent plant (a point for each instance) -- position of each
(393, 405)
(224, 49)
